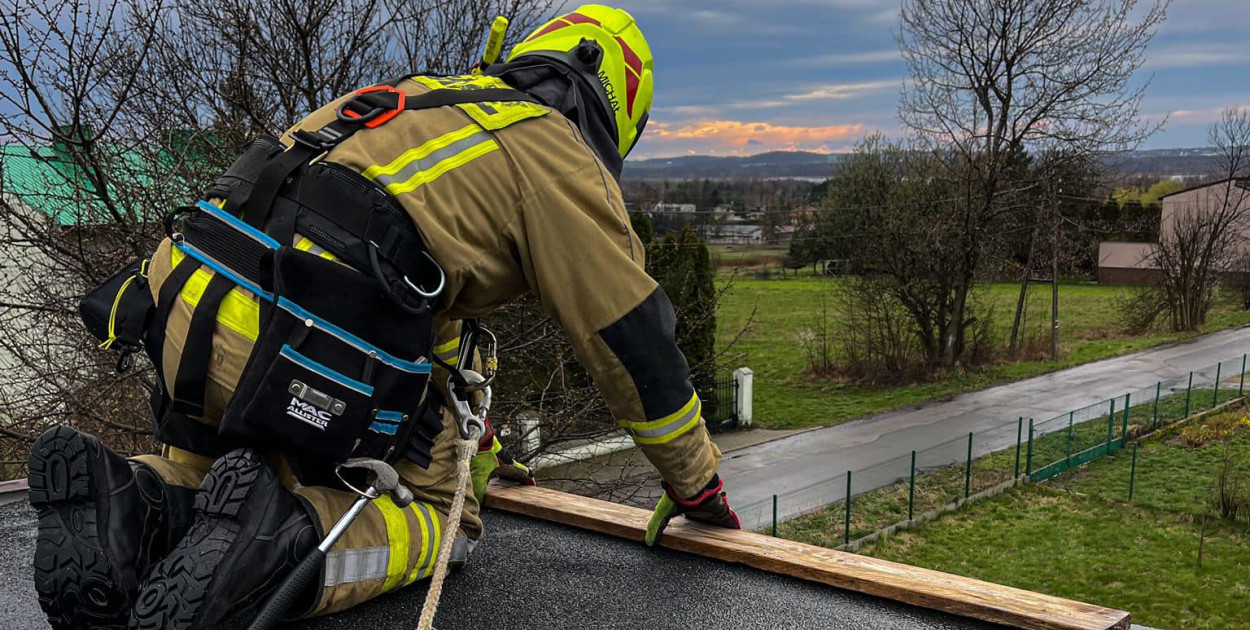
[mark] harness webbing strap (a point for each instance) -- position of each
(155, 339)
(308, 145)
(197, 349)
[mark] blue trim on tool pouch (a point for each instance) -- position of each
(389, 416)
(361, 344)
(217, 267)
(308, 364)
(381, 427)
(238, 224)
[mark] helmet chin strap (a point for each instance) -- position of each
(561, 87)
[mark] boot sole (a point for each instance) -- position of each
(176, 588)
(78, 587)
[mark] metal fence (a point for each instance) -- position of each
(920, 484)
(720, 408)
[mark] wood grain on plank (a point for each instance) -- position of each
(957, 595)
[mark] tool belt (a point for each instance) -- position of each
(340, 359)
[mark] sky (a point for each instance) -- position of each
(740, 77)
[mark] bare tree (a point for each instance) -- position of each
(991, 80)
(1203, 236)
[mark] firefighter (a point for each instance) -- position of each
(508, 196)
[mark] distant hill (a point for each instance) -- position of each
(808, 165)
(786, 164)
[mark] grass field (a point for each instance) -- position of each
(749, 256)
(1078, 537)
(787, 397)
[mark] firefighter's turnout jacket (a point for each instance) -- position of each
(508, 198)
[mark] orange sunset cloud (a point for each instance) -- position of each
(736, 137)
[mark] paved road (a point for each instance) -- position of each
(808, 469)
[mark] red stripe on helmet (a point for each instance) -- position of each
(631, 92)
(578, 18)
(631, 58)
(554, 26)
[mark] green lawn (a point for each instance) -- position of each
(1078, 537)
(787, 397)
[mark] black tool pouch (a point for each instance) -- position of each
(333, 371)
(118, 311)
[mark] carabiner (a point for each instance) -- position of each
(489, 351)
(442, 281)
(469, 420)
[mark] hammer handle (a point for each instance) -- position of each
(292, 587)
(309, 568)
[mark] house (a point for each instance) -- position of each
(673, 208)
(1135, 264)
(732, 234)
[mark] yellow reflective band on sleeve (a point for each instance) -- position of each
(448, 352)
(669, 427)
(239, 310)
(397, 535)
(431, 160)
(430, 541)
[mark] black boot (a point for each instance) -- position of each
(249, 533)
(103, 521)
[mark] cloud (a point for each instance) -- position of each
(1204, 117)
(840, 60)
(1195, 55)
(842, 91)
(816, 94)
(721, 137)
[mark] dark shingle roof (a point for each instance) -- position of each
(532, 575)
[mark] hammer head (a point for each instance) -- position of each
(363, 474)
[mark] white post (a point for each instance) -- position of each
(745, 379)
(531, 437)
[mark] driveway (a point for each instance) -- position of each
(808, 468)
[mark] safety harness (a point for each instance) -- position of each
(339, 366)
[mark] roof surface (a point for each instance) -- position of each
(528, 574)
(40, 179)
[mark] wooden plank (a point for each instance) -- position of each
(961, 596)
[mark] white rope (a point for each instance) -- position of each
(464, 452)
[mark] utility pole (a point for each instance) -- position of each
(1054, 276)
(1024, 289)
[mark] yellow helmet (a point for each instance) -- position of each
(620, 60)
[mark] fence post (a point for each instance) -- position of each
(744, 395)
(911, 490)
(1154, 424)
(1028, 461)
(1068, 458)
(846, 539)
(1132, 475)
(1111, 426)
(1019, 438)
(1241, 387)
(1124, 424)
(968, 470)
(1215, 399)
(774, 516)
(1189, 393)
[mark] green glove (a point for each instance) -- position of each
(664, 512)
(493, 460)
(709, 506)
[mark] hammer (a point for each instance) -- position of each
(379, 478)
